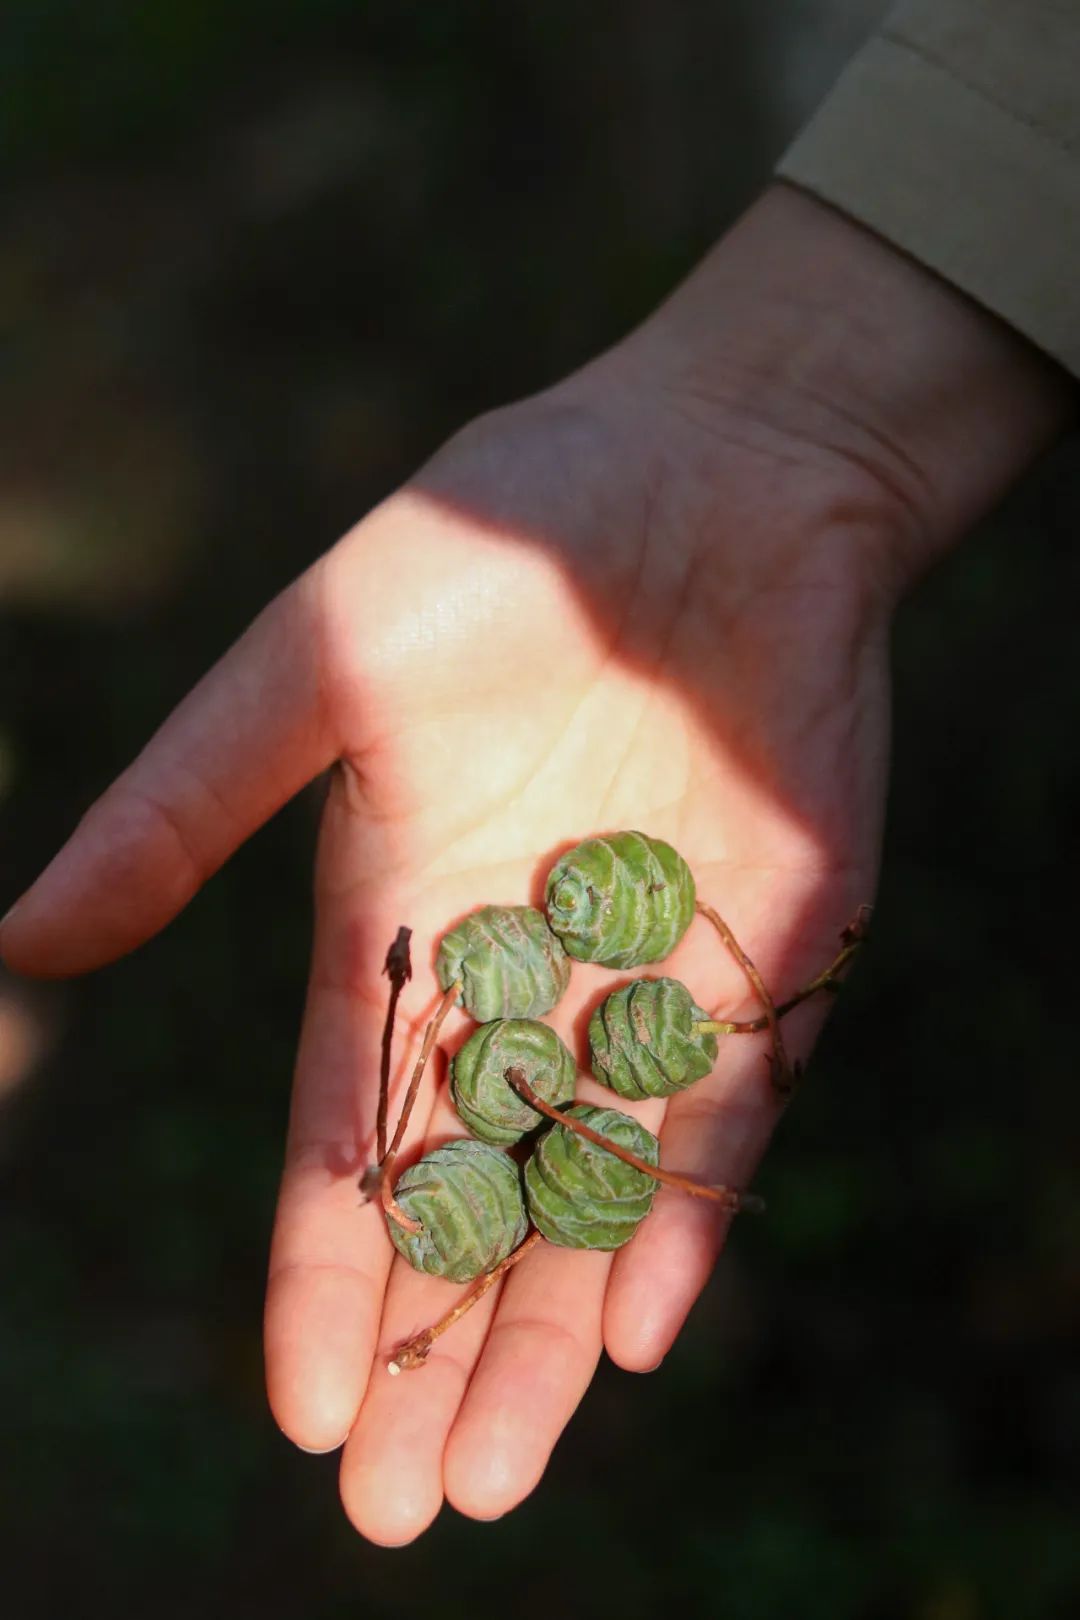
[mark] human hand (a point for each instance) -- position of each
(656, 596)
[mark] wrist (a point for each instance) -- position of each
(806, 330)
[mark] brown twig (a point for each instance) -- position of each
(783, 1075)
(851, 938)
(415, 1352)
(398, 968)
(749, 1203)
(392, 1208)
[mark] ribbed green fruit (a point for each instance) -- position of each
(622, 901)
(510, 963)
(582, 1197)
(467, 1197)
(483, 1096)
(644, 1043)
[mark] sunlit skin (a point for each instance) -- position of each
(657, 596)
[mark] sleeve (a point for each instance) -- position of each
(955, 135)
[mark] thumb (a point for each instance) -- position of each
(249, 736)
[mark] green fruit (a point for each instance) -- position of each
(644, 1043)
(483, 1096)
(467, 1197)
(580, 1196)
(622, 901)
(509, 962)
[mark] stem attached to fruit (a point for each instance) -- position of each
(828, 979)
(779, 1064)
(748, 1203)
(415, 1352)
(386, 1166)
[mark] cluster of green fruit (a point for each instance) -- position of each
(623, 902)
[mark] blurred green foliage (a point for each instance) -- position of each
(259, 260)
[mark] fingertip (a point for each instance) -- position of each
(318, 1451)
(388, 1518)
(637, 1336)
(320, 1334)
(9, 956)
(20, 952)
(498, 1449)
(656, 1281)
(636, 1346)
(121, 876)
(316, 1431)
(537, 1364)
(391, 1472)
(640, 1370)
(482, 1473)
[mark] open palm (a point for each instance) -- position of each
(581, 616)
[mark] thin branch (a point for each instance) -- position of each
(398, 968)
(783, 1075)
(749, 1203)
(431, 1035)
(393, 1210)
(415, 1352)
(853, 936)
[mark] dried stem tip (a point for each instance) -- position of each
(783, 1075)
(414, 1352)
(398, 969)
(854, 935)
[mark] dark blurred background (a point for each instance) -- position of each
(257, 261)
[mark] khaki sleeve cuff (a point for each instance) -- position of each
(968, 188)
